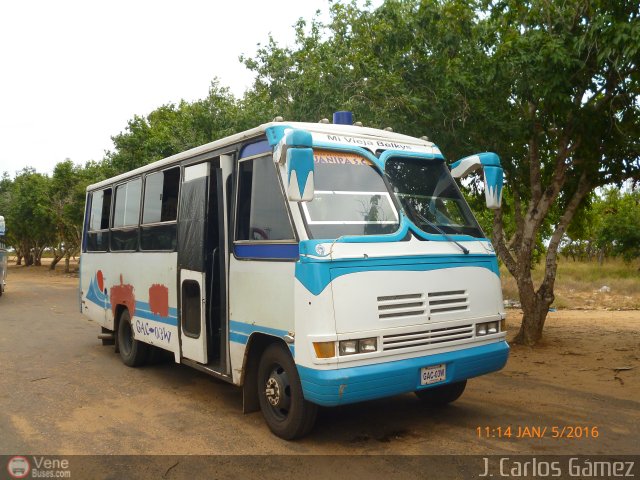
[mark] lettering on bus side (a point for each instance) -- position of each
(367, 143)
(148, 330)
(353, 141)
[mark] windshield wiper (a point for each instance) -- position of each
(464, 249)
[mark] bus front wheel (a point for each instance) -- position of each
(132, 352)
(440, 396)
(283, 406)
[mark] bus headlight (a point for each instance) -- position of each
(348, 347)
(363, 345)
(368, 345)
(487, 328)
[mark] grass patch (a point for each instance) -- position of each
(579, 284)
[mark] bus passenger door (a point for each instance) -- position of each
(192, 230)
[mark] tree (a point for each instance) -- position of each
(551, 85)
(29, 216)
(574, 89)
(66, 208)
(171, 129)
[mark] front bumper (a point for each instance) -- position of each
(356, 384)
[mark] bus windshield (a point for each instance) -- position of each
(351, 198)
(429, 196)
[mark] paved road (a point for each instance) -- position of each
(62, 392)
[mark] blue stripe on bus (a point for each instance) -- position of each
(147, 315)
(289, 251)
(239, 332)
(356, 384)
(316, 275)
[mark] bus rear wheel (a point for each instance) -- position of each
(283, 406)
(443, 395)
(133, 352)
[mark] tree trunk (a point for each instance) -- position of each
(18, 259)
(66, 265)
(535, 306)
(55, 261)
(38, 251)
(533, 319)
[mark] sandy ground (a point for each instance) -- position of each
(62, 392)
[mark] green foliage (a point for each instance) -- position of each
(620, 223)
(171, 129)
(551, 85)
(27, 215)
(607, 225)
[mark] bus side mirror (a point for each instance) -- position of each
(300, 165)
(493, 175)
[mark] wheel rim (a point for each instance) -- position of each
(126, 340)
(277, 391)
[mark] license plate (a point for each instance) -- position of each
(433, 374)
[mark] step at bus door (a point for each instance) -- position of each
(192, 233)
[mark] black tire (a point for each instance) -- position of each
(132, 352)
(443, 395)
(283, 406)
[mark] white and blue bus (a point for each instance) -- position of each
(3, 257)
(312, 264)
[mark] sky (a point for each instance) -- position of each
(72, 73)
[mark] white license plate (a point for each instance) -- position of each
(433, 374)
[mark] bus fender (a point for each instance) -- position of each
(256, 345)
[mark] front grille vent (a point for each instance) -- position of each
(399, 306)
(448, 301)
(424, 338)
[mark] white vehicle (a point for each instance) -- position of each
(310, 264)
(3, 257)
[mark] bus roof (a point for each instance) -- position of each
(325, 128)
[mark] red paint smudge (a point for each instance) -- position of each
(100, 279)
(159, 300)
(122, 295)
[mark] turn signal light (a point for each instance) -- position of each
(325, 349)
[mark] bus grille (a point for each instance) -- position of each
(424, 338)
(448, 301)
(397, 306)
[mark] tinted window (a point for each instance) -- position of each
(124, 239)
(127, 209)
(262, 213)
(161, 196)
(159, 237)
(430, 197)
(191, 304)
(100, 209)
(98, 236)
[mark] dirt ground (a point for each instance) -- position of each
(61, 392)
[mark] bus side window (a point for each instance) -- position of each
(124, 233)
(160, 211)
(98, 235)
(261, 212)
